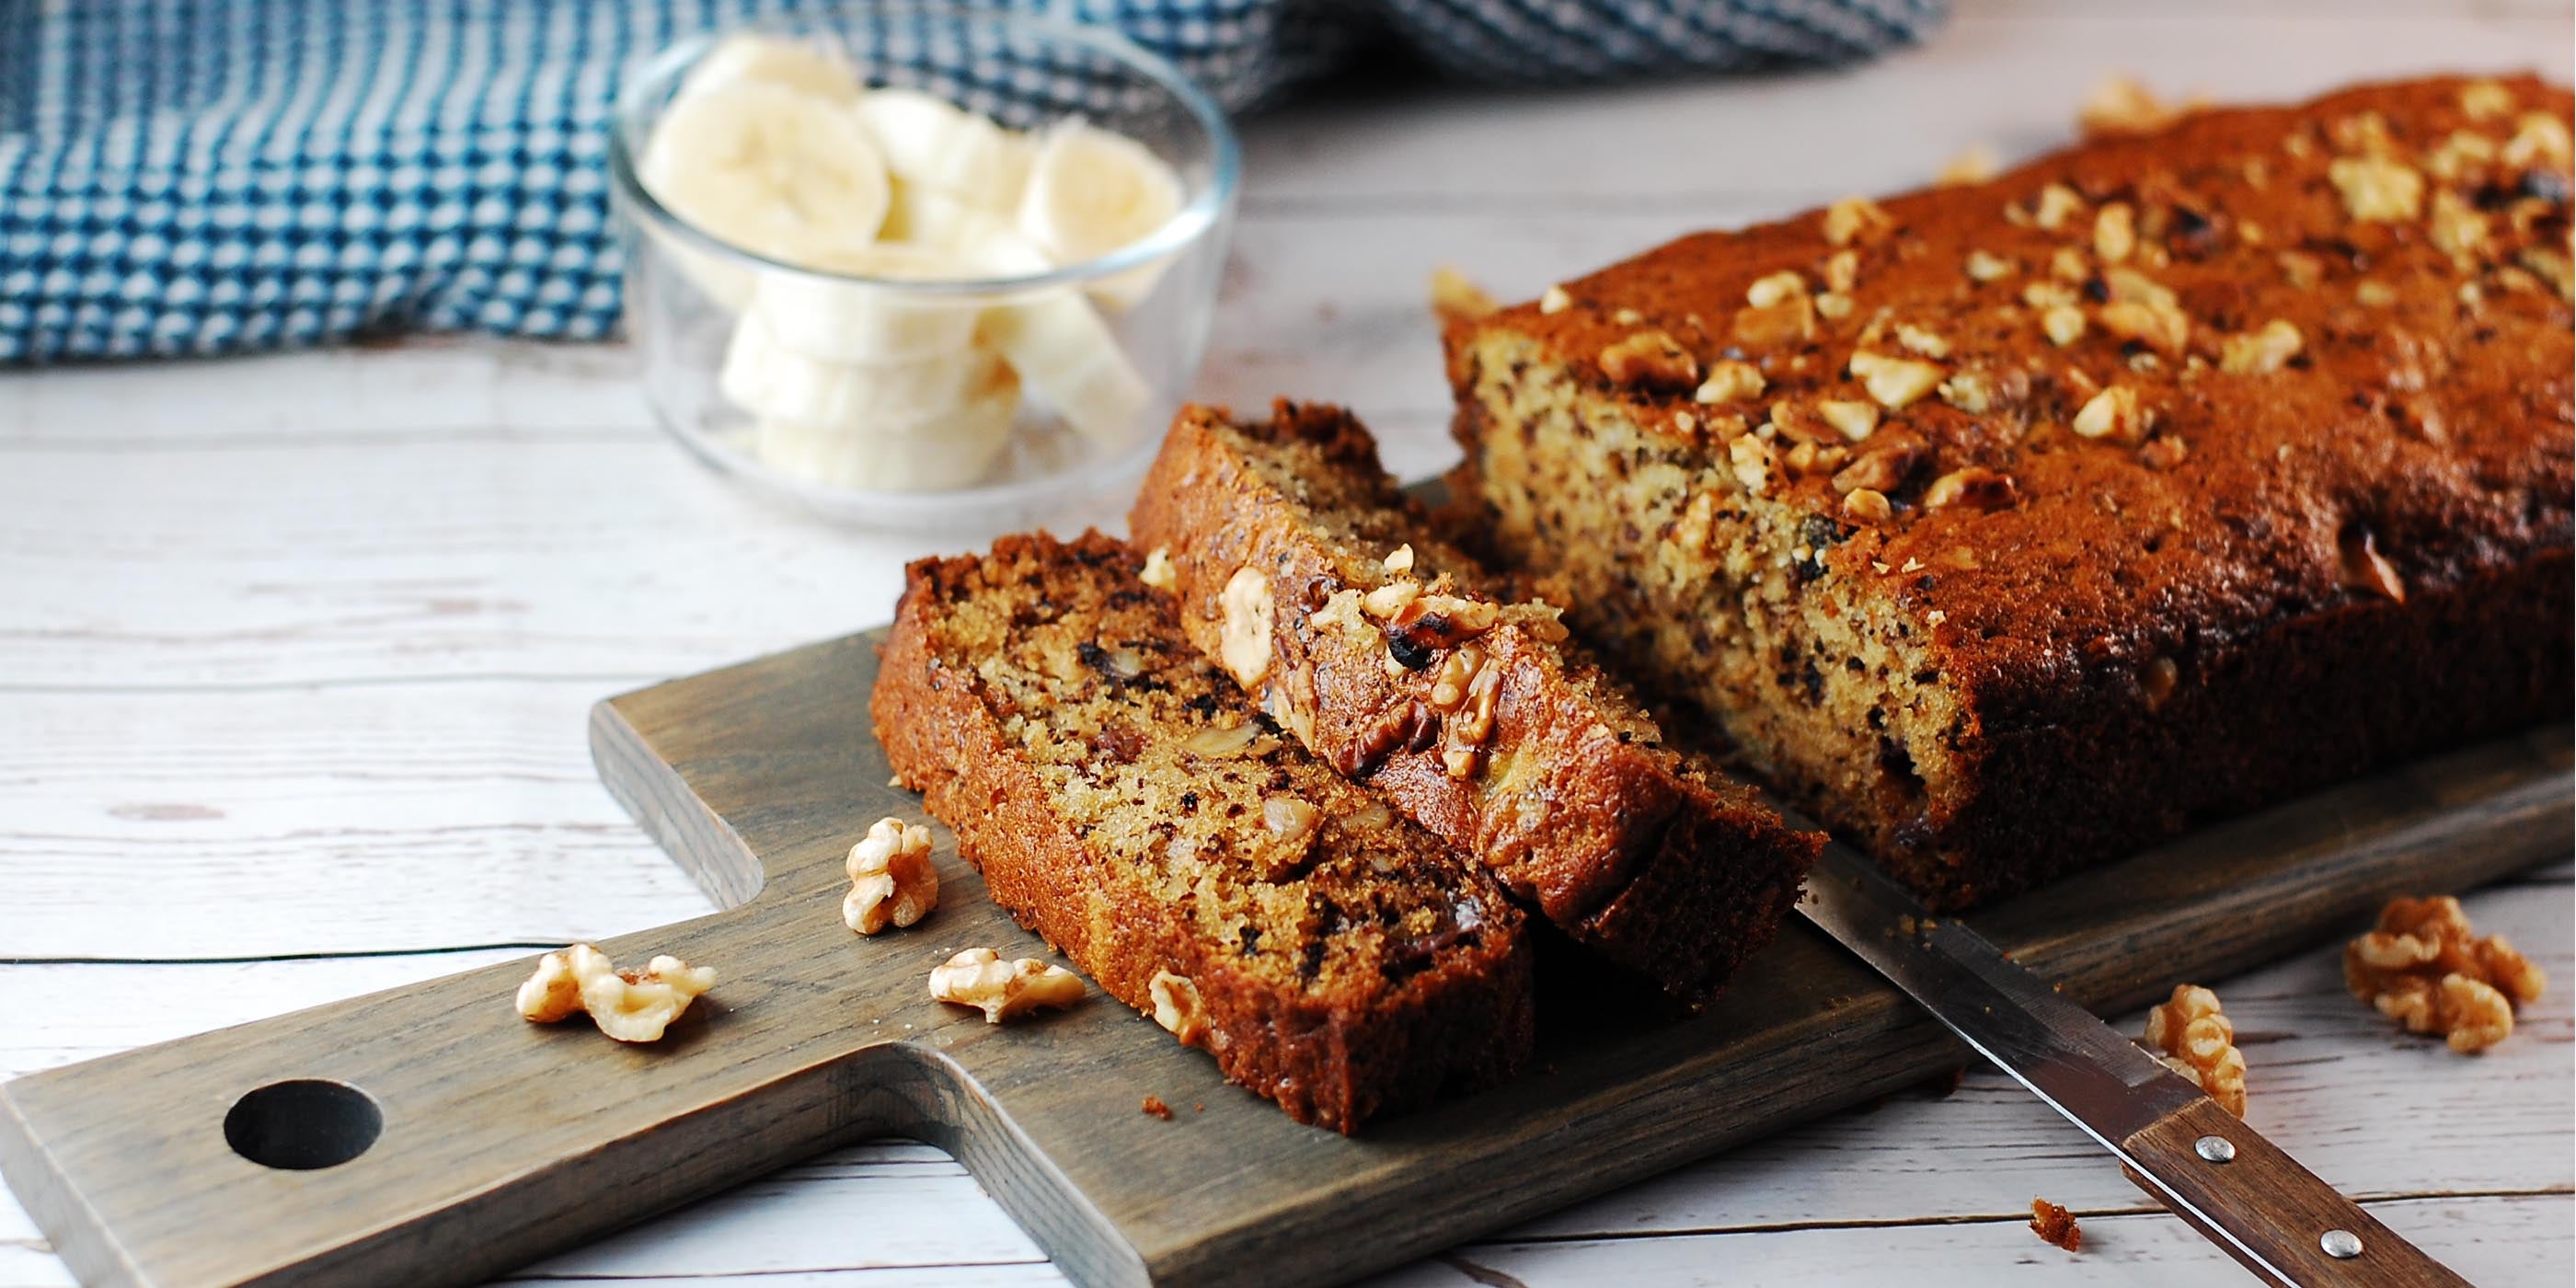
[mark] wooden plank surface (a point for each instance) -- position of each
(498, 1134)
(327, 699)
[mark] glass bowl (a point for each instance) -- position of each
(688, 291)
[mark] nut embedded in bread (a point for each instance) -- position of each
(2157, 480)
(1123, 797)
(1309, 575)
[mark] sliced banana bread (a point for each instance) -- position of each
(1307, 572)
(1124, 798)
(2015, 525)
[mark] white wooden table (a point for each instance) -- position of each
(294, 654)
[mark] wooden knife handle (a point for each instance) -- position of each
(2271, 1213)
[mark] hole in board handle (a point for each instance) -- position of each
(303, 1124)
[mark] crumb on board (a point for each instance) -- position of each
(2054, 1224)
(1154, 1105)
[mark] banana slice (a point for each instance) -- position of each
(951, 450)
(1066, 352)
(937, 146)
(1092, 191)
(773, 60)
(838, 321)
(924, 217)
(777, 383)
(777, 171)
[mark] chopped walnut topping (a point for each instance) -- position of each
(2364, 568)
(1472, 723)
(1399, 559)
(2120, 105)
(1885, 467)
(978, 977)
(2375, 293)
(1835, 305)
(2048, 295)
(628, 1006)
(2260, 352)
(2068, 264)
(1456, 299)
(2537, 137)
(2063, 324)
(1855, 219)
(1650, 360)
(1918, 340)
(1970, 391)
(1816, 458)
(2425, 968)
(2457, 227)
(1390, 599)
(1457, 671)
(1842, 271)
(1158, 572)
(1780, 286)
(1852, 419)
(1984, 267)
(1243, 638)
(2157, 681)
(2115, 232)
(2163, 452)
(2485, 100)
(1972, 164)
(2165, 329)
(2553, 267)
(2116, 414)
(1555, 300)
(1730, 381)
(1867, 505)
(1789, 320)
(2378, 189)
(892, 881)
(2057, 204)
(1971, 488)
(1752, 461)
(2455, 156)
(2199, 1043)
(2056, 1225)
(1894, 382)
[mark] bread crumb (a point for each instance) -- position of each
(1154, 1106)
(2054, 1224)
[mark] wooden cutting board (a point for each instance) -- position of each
(481, 1142)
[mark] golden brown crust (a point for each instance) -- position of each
(2291, 500)
(1367, 995)
(1571, 796)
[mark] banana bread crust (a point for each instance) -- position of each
(1649, 856)
(1448, 1010)
(2191, 471)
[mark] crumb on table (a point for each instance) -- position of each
(1154, 1105)
(2055, 1225)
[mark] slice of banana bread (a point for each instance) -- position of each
(1124, 798)
(2013, 526)
(1307, 572)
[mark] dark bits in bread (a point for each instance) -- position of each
(1122, 797)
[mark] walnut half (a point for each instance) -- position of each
(630, 1006)
(892, 881)
(978, 977)
(2199, 1043)
(2426, 969)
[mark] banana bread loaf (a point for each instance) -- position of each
(1305, 571)
(1123, 798)
(2012, 526)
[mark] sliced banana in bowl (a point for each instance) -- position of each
(884, 273)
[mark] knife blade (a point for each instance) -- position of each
(2257, 1203)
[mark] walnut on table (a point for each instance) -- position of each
(2199, 1042)
(629, 1006)
(892, 881)
(2426, 969)
(978, 977)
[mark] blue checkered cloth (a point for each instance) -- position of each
(219, 176)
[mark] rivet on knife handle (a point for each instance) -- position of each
(2303, 1232)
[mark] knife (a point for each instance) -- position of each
(2241, 1192)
